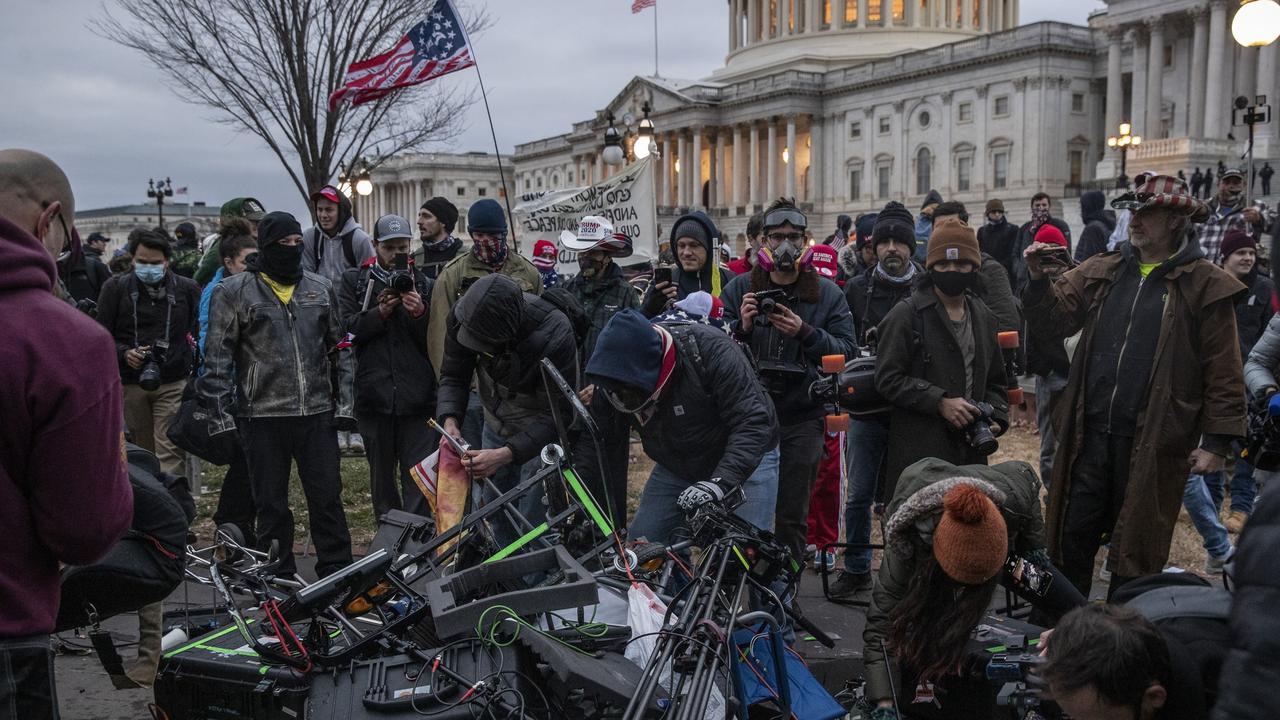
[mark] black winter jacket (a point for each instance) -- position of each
(515, 399)
(871, 298)
(1251, 672)
(1254, 310)
(713, 419)
(827, 330)
(601, 298)
(686, 284)
(1000, 242)
(1099, 224)
(393, 375)
(123, 298)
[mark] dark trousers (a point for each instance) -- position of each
(235, 499)
(396, 443)
(800, 451)
(27, 689)
(1099, 479)
(273, 444)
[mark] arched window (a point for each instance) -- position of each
(924, 160)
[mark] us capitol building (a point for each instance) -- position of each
(845, 104)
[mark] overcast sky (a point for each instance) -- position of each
(108, 119)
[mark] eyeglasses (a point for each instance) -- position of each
(785, 237)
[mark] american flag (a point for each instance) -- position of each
(436, 46)
(638, 5)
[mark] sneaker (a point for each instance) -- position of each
(821, 559)
(853, 587)
(829, 558)
(1235, 521)
(810, 549)
(1104, 572)
(355, 444)
(1214, 563)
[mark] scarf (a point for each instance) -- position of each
(439, 245)
(1039, 217)
(490, 252)
(904, 279)
(1001, 221)
(282, 263)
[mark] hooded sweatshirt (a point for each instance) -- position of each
(328, 255)
(64, 494)
(1099, 224)
(688, 283)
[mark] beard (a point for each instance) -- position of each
(894, 265)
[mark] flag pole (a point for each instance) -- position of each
(655, 40)
(502, 176)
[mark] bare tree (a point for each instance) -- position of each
(268, 67)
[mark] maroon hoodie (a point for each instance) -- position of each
(64, 494)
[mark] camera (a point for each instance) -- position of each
(400, 279)
(978, 433)
(149, 374)
(767, 301)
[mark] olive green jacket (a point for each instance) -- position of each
(449, 287)
(913, 515)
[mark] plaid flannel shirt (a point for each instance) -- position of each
(1211, 231)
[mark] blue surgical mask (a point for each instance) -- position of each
(148, 274)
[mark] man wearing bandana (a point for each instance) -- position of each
(1041, 207)
(490, 254)
(692, 396)
(272, 334)
(1227, 212)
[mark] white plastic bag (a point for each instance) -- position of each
(645, 611)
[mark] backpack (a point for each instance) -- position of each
(185, 262)
(565, 302)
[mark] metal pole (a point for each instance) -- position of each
(655, 40)
(160, 208)
(1248, 180)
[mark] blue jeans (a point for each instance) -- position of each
(1244, 489)
(1204, 515)
(658, 517)
(868, 441)
(508, 477)
(1048, 388)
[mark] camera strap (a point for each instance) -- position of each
(170, 300)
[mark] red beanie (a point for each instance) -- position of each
(544, 254)
(1236, 239)
(971, 541)
(1048, 233)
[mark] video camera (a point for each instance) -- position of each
(1262, 439)
(848, 388)
(1021, 688)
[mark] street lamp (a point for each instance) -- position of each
(158, 190)
(1123, 141)
(363, 184)
(613, 153)
(1257, 23)
(644, 143)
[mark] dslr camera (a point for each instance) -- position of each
(149, 373)
(768, 302)
(401, 278)
(978, 432)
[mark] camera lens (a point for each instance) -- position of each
(149, 376)
(401, 282)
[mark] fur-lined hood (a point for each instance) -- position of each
(848, 260)
(919, 514)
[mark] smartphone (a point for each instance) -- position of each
(1056, 255)
(662, 273)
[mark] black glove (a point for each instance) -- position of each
(699, 494)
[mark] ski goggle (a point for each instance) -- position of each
(775, 218)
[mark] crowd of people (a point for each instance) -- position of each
(303, 342)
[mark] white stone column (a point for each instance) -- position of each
(942, 158)
(1155, 76)
(695, 175)
(1138, 93)
(1266, 84)
(1115, 82)
(720, 175)
(817, 162)
(733, 25)
(862, 12)
(664, 194)
(966, 20)
(739, 169)
(979, 179)
(1198, 69)
(781, 19)
(682, 183)
(753, 22)
(813, 16)
(793, 156)
(754, 165)
(1215, 102)
(771, 162)
(837, 12)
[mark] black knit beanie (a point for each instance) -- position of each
(445, 211)
(895, 223)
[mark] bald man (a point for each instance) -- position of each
(64, 495)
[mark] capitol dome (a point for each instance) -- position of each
(818, 35)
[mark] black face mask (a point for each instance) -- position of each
(952, 282)
(282, 262)
(589, 268)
